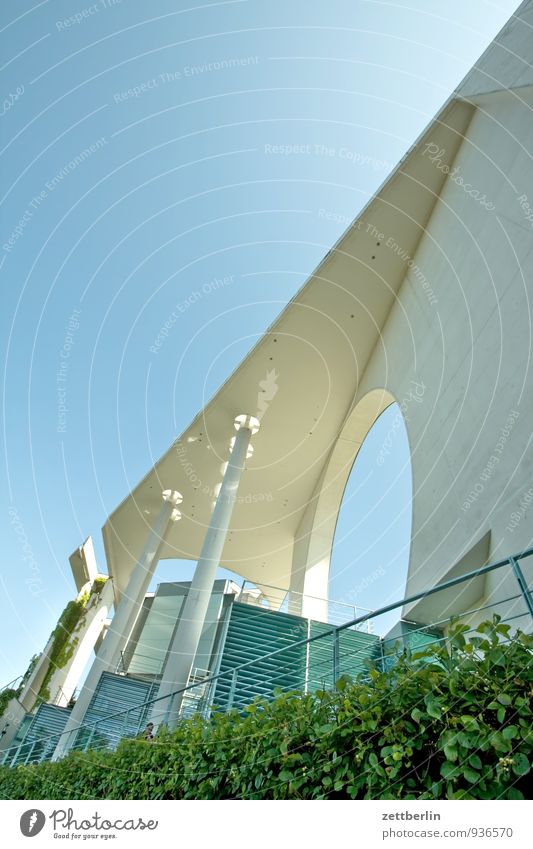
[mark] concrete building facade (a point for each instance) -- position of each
(425, 301)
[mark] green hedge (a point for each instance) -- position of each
(450, 723)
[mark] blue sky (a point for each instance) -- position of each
(149, 149)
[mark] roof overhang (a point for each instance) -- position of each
(83, 564)
(316, 353)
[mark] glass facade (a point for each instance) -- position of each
(147, 650)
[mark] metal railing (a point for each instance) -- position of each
(12, 684)
(304, 665)
(331, 611)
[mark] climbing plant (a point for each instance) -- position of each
(9, 693)
(63, 646)
(98, 584)
(5, 697)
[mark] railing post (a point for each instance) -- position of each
(125, 724)
(14, 756)
(29, 753)
(233, 687)
(49, 747)
(167, 711)
(519, 575)
(307, 658)
(205, 700)
(142, 722)
(336, 657)
(382, 654)
(89, 738)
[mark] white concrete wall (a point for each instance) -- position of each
(494, 70)
(10, 722)
(471, 353)
(17, 708)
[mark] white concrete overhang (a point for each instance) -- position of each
(457, 600)
(318, 348)
(83, 564)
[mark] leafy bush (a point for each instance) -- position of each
(9, 693)
(5, 697)
(98, 584)
(452, 722)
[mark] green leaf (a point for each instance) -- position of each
(451, 753)
(498, 742)
(513, 793)
(434, 709)
(500, 716)
(453, 686)
(497, 657)
(449, 770)
(504, 699)
(470, 723)
(471, 775)
(520, 764)
(468, 741)
(510, 731)
(475, 761)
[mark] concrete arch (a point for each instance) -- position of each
(313, 543)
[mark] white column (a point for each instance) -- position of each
(185, 643)
(127, 611)
(308, 588)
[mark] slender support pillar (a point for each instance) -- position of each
(336, 656)
(185, 643)
(127, 611)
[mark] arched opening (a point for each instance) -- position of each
(370, 554)
(314, 542)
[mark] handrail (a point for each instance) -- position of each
(331, 631)
(10, 685)
(297, 593)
